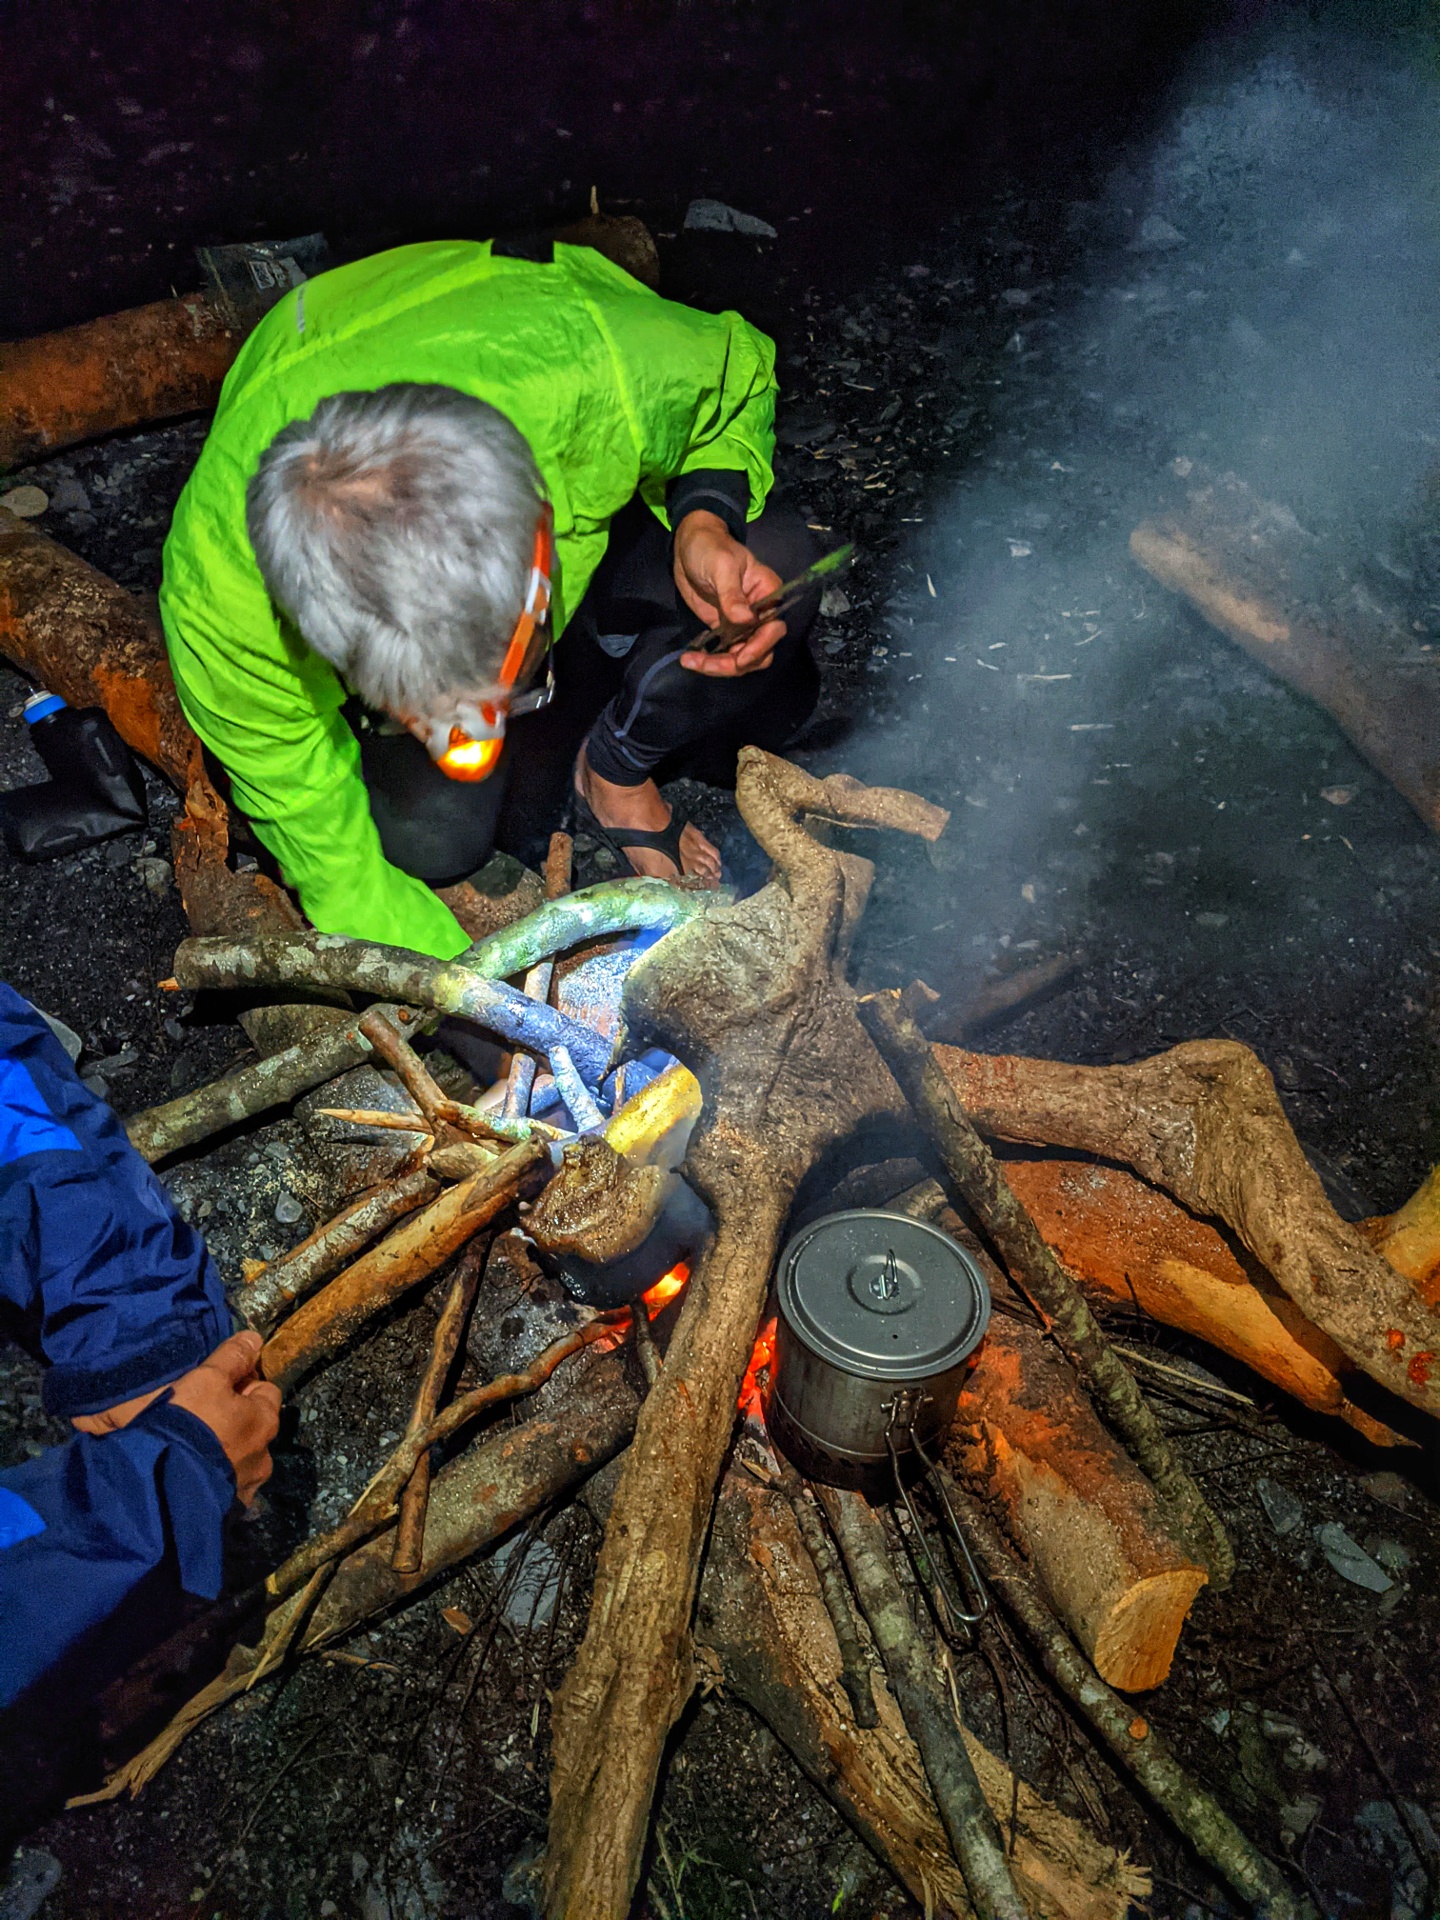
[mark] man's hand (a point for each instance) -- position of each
(715, 576)
(240, 1409)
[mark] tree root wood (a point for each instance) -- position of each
(1203, 1120)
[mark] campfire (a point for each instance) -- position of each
(679, 1064)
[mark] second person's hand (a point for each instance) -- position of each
(718, 577)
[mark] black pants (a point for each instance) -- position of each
(619, 684)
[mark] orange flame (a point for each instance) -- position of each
(666, 1288)
(752, 1387)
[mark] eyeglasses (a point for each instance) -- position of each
(470, 749)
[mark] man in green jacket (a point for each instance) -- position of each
(413, 458)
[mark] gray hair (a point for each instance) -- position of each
(396, 528)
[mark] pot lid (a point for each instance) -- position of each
(883, 1296)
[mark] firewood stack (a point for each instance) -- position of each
(1179, 1194)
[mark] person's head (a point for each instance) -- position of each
(398, 530)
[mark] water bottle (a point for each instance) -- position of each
(95, 789)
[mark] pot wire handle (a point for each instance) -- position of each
(944, 1607)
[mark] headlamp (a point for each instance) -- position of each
(466, 743)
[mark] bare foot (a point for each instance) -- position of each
(643, 808)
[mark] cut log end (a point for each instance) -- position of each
(1135, 1644)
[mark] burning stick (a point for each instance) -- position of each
(1140, 1750)
(1039, 1274)
(449, 1331)
(972, 1827)
(413, 1251)
(279, 1285)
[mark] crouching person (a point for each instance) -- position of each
(117, 1295)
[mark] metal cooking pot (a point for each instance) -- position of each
(880, 1317)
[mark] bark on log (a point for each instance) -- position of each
(855, 1665)
(764, 1631)
(410, 1254)
(1130, 1243)
(1036, 1271)
(280, 1283)
(160, 1131)
(1085, 1517)
(1137, 1747)
(753, 997)
(968, 1820)
(148, 363)
(1204, 1121)
(1248, 567)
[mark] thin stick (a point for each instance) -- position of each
(282, 1282)
(376, 1117)
(1199, 1818)
(645, 1347)
(1038, 1273)
(376, 1505)
(854, 1667)
(415, 1076)
(520, 1082)
(449, 1330)
(972, 1828)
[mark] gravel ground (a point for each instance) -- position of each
(1125, 787)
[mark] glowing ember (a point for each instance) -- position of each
(752, 1387)
(666, 1288)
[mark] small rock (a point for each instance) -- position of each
(1300, 1815)
(1388, 1488)
(1016, 297)
(1393, 1557)
(1338, 796)
(70, 497)
(1019, 549)
(1156, 236)
(1350, 1560)
(288, 1210)
(1282, 1509)
(67, 1036)
(156, 874)
(33, 1875)
(26, 503)
(114, 1063)
(96, 1084)
(713, 216)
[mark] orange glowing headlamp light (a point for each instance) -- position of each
(469, 746)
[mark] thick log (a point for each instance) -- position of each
(1087, 1520)
(332, 1318)
(1250, 568)
(754, 998)
(1036, 1271)
(1204, 1121)
(1132, 1742)
(973, 1830)
(148, 363)
(96, 645)
(1129, 1243)
(763, 1629)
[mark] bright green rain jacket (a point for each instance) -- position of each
(616, 390)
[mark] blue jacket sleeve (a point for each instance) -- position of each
(115, 1290)
(85, 1522)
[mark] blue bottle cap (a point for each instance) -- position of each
(41, 705)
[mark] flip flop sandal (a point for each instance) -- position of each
(620, 839)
